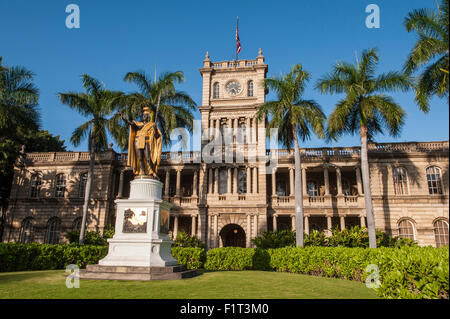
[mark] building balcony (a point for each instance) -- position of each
(330, 201)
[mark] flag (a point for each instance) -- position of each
(238, 43)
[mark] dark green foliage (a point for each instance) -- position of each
(192, 257)
(237, 258)
(19, 257)
(276, 239)
(185, 240)
(92, 237)
(353, 237)
(407, 272)
(315, 238)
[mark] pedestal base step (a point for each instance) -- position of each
(100, 272)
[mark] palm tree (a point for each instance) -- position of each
(18, 102)
(431, 49)
(96, 104)
(364, 108)
(295, 119)
(2, 68)
(174, 107)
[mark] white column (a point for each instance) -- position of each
(358, 180)
(329, 225)
(363, 220)
(291, 181)
(229, 180)
(274, 183)
(249, 230)
(216, 226)
(254, 130)
(193, 229)
(167, 182)
(293, 222)
(255, 180)
(247, 131)
(304, 182)
(177, 193)
(194, 190)
(306, 224)
(216, 181)
(342, 222)
(255, 220)
(275, 224)
(327, 181)
(210, 181)
(121, 182)
(235, 181)
(175, 227)
(339, 181)
(208, 232)
(249, 180)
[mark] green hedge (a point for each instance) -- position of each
(192, 257)
(405, 272)
(236, 258)
(18, 257)
(34, 256)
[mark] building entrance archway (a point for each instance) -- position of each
(232, 235)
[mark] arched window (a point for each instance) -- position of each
(35, 186)
(60, 187)
(26, 231)
(406, 229)
(400, 181)
(216, 91)
(312, 188)
(441, 232)
(250, 88)
(53, 230)
(434, 180)
(83, 181)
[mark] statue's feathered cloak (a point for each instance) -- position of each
(139, 138)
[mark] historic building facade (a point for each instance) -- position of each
(237, 196)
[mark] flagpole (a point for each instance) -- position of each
(237, 30)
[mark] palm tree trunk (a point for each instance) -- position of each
(298, 191)
(366, 185)
(87, 191)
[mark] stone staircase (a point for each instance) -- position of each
(100, 272)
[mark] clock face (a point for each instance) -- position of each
(233, 87)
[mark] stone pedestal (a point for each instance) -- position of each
(141, 243)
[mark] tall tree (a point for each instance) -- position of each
(96, 104)
(19, 118)
(175, 107)
(295, 118)
(430, 51)
(365, 109)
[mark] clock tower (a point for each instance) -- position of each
(234, 191)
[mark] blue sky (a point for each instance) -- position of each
(116, 37)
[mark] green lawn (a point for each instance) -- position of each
(210, 285)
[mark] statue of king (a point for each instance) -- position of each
(144, 145)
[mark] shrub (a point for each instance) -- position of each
(237, 258)
(34, 256)
(353, 237)
(315, 238)
(185, 240)
(406, 272)
(276, 239)
(192, 257)
(92, 237)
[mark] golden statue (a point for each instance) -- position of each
(144, 145)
